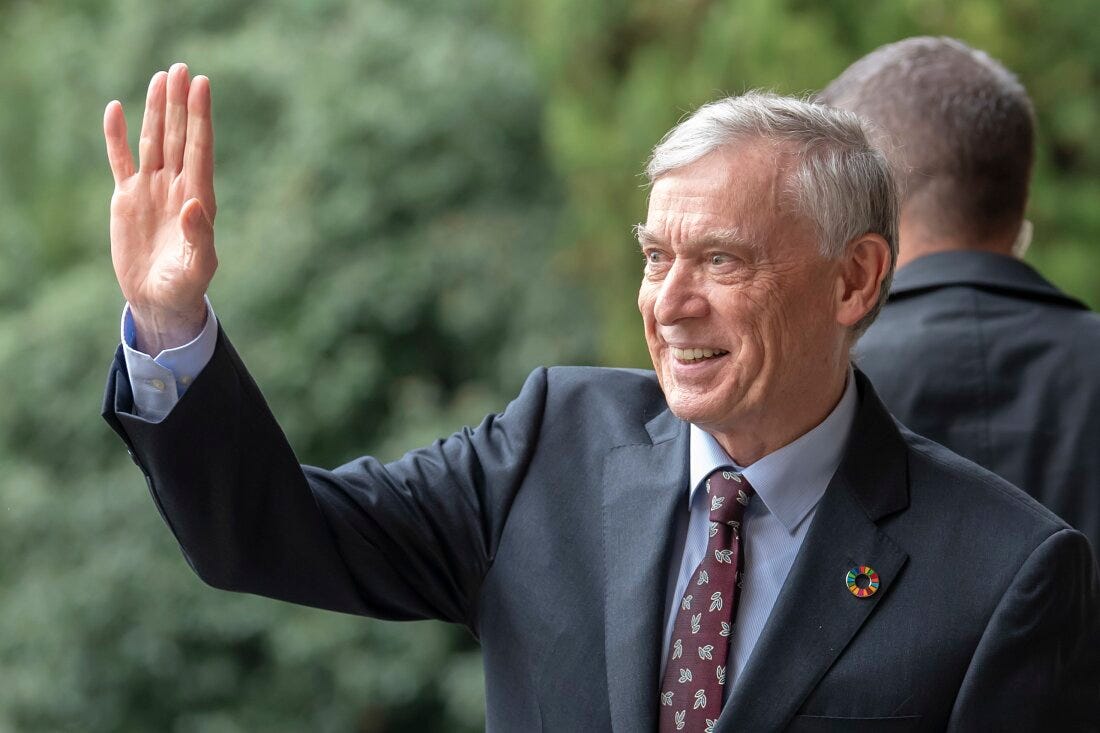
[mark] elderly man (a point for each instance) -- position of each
(744, 540)
(975, 349)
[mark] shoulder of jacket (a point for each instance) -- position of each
(612, 381)
(606, 396)
(965, 483)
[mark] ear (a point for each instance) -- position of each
(863, 267)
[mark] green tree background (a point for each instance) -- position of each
(420, 201)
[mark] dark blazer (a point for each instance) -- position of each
(978, 352)
(548, 532)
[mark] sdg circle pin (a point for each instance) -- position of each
(862, 581)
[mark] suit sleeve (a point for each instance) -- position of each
(1037, 666)
(412, 539)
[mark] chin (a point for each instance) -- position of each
(698, 409)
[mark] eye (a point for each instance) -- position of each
(653, 256)
(723, 263)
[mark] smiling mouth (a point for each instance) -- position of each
(690, 355)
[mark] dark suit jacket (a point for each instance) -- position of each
(548, 532)
(978, 352)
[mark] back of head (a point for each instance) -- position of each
(959, 131)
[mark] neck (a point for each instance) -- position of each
(916, 240)
(808, 408)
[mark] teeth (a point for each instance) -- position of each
(694, 354)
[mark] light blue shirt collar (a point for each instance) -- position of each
(791, 480)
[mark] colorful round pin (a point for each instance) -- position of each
(862, 581)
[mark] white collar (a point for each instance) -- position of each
(791, 480)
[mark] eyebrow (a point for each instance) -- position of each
(730, 237)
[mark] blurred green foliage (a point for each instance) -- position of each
(420, 201)
(387, 228)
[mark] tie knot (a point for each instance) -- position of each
(728, 493)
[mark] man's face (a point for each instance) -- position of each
(738, 304)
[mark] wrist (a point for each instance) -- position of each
(160, 329)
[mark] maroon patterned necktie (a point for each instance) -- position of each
(695, 671)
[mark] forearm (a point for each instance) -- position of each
(229, 487)
(404, 540)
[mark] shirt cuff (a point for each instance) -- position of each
(159, 383)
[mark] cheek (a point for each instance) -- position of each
(802, 329)
(645, 307)
(751, 321)
(647, 299)
(813, 302)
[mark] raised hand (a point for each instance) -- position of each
(162, 214)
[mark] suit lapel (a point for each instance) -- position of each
(644, 486)
(816, 616)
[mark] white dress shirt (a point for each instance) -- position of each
(158, 383)
(788, 483)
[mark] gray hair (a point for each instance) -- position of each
(839, 182)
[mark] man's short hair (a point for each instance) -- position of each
(958, 128)
(838, 180)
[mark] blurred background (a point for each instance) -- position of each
(419, 202)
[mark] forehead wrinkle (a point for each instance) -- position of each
(732, 237)
(724, 238)
(751, 192)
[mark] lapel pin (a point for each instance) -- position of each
(862, 581)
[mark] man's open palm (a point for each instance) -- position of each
(162, 213)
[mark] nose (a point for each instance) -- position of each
(680, 295)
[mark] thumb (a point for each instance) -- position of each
(198, 231)
(196, 225)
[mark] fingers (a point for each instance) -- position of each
(198, 156)
(151, 142)
(175, 117)
(118, 149)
